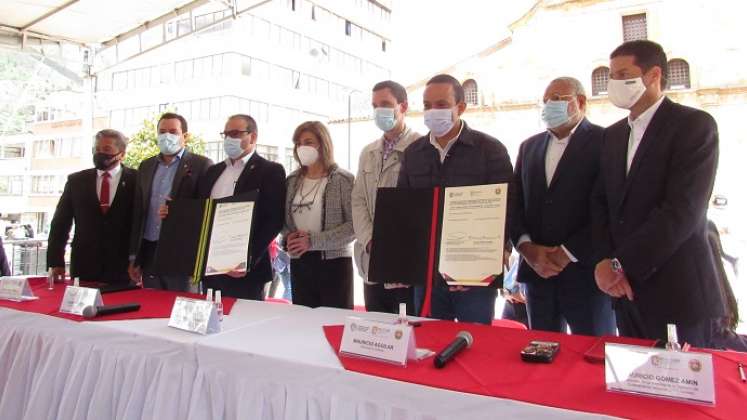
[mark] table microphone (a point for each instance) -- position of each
(463, 340)
(94, 311)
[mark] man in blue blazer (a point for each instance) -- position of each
(554, 178)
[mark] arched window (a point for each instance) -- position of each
(599, 78)
(471, 96)
(679, 74)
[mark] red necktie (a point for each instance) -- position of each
(104, 195)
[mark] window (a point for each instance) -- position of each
(471, 96)
(12, 151)
(268, 152)
(383, 45)
(679, 74)
(599, 78)
(634, 27)
(44, 148)
(289, 161)
(214, 150)
(348, 28)
(45, 184)
(313, 12)
(11, 185)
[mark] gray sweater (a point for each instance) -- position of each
(337, 215)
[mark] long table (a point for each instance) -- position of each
(271, 361)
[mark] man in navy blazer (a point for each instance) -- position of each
(554, 178)
(657, 171)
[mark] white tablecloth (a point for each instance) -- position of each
(271, 361)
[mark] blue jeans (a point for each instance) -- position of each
(477, 304)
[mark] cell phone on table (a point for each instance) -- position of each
(540, 351)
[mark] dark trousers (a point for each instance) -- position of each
(476, 304)
(380, 299)
(153, 280)
(551, 303)
(319, 282)
(631, 323)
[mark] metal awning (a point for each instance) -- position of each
(92, 26)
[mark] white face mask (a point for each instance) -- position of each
(625, 93)
(439, 121)
(307, 155)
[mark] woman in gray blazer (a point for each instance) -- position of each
(318, 228)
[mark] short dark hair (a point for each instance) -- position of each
(251, 125)
(399, 91)
(448, 79)
(174, 116)
(646, 54)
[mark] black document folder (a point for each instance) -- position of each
(185, 235)
(403, 245)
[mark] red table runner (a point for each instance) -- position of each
(153, 303)
(493, 367)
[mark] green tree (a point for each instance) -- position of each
(144, 143)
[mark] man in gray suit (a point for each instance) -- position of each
(172, 174)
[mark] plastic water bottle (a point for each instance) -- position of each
(672, 344)
(219, 305)
(209, 295)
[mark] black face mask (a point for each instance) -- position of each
(102, 161)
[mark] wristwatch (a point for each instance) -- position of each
(616, 266)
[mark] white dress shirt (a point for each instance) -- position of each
(555, 149)
(115, 174)
(226, 182)
(444, 151)
(638, 129)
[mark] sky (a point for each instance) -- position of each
(429, 35)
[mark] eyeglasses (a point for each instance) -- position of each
(234, 133)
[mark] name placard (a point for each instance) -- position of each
(76, 299)
(391, 343)
(16, 289)
(684, 376)
(194, 315)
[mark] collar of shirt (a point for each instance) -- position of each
(394, 142)
(565, 139)
(449, 143)
(241, 162)
(177, 158)
(112, 172)
(641, 123)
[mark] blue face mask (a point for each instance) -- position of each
(384, 118)
(232, 147)
(555, 113)
(169, 144)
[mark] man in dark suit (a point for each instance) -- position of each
(657, 171)
(551, 225)
(170, 175)
(244, 171)
(454, 155)
(99, 201)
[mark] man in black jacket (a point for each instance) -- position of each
(99, 201)
(172, 174)
(244, 171)
(657, 171)
(454, 155)
(551, 224)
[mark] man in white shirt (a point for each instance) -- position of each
(243, 171)
(657, 170)
(554, 178)
(99, 201)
